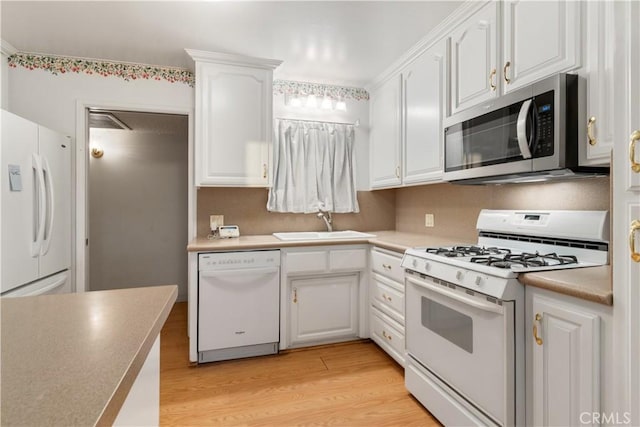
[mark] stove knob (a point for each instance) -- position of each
(479, 281)
(427, 266)
(459, 275)
(414, 263)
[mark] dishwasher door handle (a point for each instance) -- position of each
(238, 271)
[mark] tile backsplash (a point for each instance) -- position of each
(246, 208)
(455, 207)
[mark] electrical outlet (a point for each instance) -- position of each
(215, 221)
(428, 220)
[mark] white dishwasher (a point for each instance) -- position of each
(238, 304)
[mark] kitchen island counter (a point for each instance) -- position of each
(71, 359)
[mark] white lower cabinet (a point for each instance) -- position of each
(323, 295)
(324, 309)
(563, 351)
(386, 297)
(388, 334)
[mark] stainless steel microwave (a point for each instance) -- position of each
(532, 134)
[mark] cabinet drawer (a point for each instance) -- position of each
(387, 297)
(348, 259)
(306, 262)
(388, 265)
(387, 336)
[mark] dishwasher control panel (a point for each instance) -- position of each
(238, 260)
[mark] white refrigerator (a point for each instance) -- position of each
(36, 209)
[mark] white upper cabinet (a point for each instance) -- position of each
(424, 94)
(474, 48)
(598, 70)
(385, 135)
(506, 45)
(541, 38)
(406, 121)
(233, 119)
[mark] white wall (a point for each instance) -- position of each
(138, 210)
(54, 101)
(356, 110)
(4, 75)
(51, 100)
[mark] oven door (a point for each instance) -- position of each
(466, 341)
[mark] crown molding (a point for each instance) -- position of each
(232, 59)
(463, 12)
(7, 49)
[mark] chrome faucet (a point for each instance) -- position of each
(326, 217)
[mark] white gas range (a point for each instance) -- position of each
(465, 309)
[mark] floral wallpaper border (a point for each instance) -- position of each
(124, 70)
(131, 71)
(289, 87)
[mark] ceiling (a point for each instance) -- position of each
(339, 42)
(140, 121)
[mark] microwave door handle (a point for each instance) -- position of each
(521, 128)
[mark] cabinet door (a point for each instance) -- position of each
(233, 125)
(564, 362)
(424, 106)
(541, 38)
(474, 43)
(626, 199)
(599, 51)
(385, 134)
(324, 309)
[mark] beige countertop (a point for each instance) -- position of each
(71, 359)
(593, 284)
(392, 240)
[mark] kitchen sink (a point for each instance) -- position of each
(322, 235)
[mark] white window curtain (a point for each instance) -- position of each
(314, 168)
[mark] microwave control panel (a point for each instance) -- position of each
(545, 112)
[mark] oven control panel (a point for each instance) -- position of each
(459, 275)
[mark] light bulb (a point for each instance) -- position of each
(341, 105)
(326, 103)
(311, 101)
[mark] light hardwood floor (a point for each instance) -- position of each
(352, 384)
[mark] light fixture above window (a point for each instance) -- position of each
(311, 101)
(341, 105)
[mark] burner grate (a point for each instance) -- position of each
(525, 260)
(465, 251)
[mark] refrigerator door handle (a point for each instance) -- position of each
(39, 210)
(48, 225)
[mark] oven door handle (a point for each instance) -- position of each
(486, 306)
(521, 128)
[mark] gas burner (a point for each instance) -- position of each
(549, 259)
(464, 251)
(525, 260)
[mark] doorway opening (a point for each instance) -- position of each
(137, 210)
